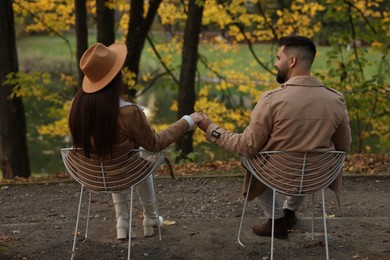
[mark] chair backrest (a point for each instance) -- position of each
(295, 173)
(122, 171)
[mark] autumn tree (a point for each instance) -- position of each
(105, 16)
(228, 86)
(14, 154)
(138, 28)
(187, 95)
(363, 31)
(81, 29)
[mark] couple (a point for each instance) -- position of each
(301, 115)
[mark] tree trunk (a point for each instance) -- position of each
(139, 27)
(105, 23)
(186, 95)
(81, 35)
(14, 153)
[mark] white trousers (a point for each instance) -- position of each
(265, 201)
(146, 194)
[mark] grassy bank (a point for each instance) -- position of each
(50, 53)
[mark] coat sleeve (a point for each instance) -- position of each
(144, 135)
(342, 136)
(253, 138)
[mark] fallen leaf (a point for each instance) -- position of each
(169, 222)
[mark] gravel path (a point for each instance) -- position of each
(202, 214)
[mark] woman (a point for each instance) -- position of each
(102, 122)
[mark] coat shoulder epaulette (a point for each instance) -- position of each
(275, 90)
(335, 91)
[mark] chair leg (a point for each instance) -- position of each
(325, 229)
(243, 213)
(273, 222)
(77, 224)
(157, 208)
(130, 224)
(312, 216)
(89, 210)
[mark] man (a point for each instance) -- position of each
(301, 115)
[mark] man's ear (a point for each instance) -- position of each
(292, 62)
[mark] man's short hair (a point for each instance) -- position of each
(301, 42)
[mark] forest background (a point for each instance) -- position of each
(184, 56)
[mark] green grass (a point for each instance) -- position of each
(52, 53)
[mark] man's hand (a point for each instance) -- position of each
(197, 117)
(204, 124)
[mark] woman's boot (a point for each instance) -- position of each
(148, 199)
(122, 215)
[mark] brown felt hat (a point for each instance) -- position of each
(101, 64)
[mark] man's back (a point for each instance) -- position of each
(305, 117)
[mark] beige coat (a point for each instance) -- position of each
(301, 115)
(134, 130)
(122, 171)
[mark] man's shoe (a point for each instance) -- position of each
(290, 218)
(265, 230)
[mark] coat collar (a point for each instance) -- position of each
(306, 81)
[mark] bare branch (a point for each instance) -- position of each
(354, 42)
(250, 46)
(161, 61)
(151, 84)
(361, 13)
(266, 21)
(249, 43)
(203, 60)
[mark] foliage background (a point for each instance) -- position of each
(235, 61)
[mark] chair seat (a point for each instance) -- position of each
(294, 174)
(122, 172)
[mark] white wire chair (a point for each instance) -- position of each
(119, 174)
(294, 174)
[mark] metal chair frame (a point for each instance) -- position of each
(102, 184)
(321, 168)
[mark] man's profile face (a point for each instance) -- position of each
(281, 65)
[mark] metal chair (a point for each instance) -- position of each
(119, 174)
(294, 174)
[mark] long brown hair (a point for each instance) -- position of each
(93, 119)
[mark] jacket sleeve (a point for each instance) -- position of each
(342, 136)
(253, 138)
(144, 135)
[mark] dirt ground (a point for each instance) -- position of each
(202, 218)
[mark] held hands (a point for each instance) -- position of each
(204, 124)
(202, 120)
(197, 117)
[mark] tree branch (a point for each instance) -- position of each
(161, 61)
(361, 13)
(50, 29)
(354, 43)
(150, 85)
(250, 46)
(266, 21)
(249, 43)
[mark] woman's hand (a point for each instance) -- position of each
(197, 117)
(204, 124)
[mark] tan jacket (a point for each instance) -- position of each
(125, 170)
(134, 130)
(301, 115)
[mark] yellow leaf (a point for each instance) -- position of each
(169, 222)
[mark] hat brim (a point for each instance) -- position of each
(120, 50)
